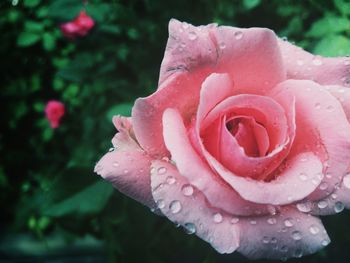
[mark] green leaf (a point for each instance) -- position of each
(333, 45)
(250, 4)
(31, 3)
(90, 200)
(49, 41)
(328, 25)
(26, 39)
(34, 27)
(123, 109)
(343, 6)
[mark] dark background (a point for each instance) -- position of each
(53, 207)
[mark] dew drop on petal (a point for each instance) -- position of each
(296, 235)
(234, 220)
(187, 190)
(325, 242)
(238, 35)
(346, 180)
(217, 217)
(115, 164)
(160, 203)
(161, 170)
(192, 35)
(338, 207)
(271, 221)
(303, 176)
(317, 62)
(288, 222)
(170, 180)
(322, 204)
(314, 229)
(253, 222)
(265, 240)
(190, 228)
(175, 206)
(222, 45)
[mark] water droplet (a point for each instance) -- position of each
(284, 249)
(238, 35)
(296, 235)
(304, 207)
(170, 180)
(217, 217)
(317, 62)
(314, 229)
(183, 44)
(271, 209)
(323, 186)
(265, 240)
(126, 171)
(338, 207)
(160, 203)
(115, 164)
(303, 176)
(253, 222)
(111, 149)
(190, 228)
(222, 45)
(271, 221)
(318, 105)
(187, 189)
(234, 220)
(175, 206)
(346, 180)
(298, 253)
(330, 108)
(192, 35)
(288, 222)
(161, 170)
(322, 204)
(325, 242)
(273, 240)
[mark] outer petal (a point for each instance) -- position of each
(185, 205)
(322, 127)
(192, 54)
(127, 167)
(300, 64)
(285, 235)
(191, 166)
(343, 96)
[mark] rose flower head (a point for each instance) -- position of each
(245, 143)
(80, 26)
(54, 111)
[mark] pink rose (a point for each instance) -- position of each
(245, 143)
(54, 111)
(80, 26)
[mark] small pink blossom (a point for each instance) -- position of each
(54, 111)
(80, 26)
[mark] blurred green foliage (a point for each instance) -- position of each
(47, 183)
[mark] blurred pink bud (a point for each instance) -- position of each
(54, 111)
(80, 26)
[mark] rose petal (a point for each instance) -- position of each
(190, 165)
(343, 96)
(183, 72)
(323, 128)
(128, 171)
(300, 64)
(286, 235)
(183, 204)
(286, 189)
(125, 138)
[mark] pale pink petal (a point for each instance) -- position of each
(278, 122)
(192, 54)
(300, 64)
(343, 96)
(288, 234)
(183, 204)
(129, 172)
(322, 128)
(191, 166)
(285, 189)
(190, 47)
(125, 138)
